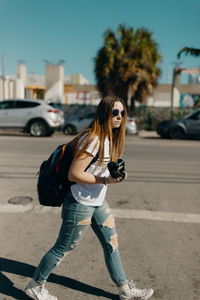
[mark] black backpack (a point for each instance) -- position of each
(53, 183)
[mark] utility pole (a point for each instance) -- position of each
(3, 76)
(172, 91)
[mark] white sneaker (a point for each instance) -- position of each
(130, 292)
(37, 291)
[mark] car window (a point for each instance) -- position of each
(195, 116)
(6, 104)
(90, 115)
(54, 105)
(26, 104)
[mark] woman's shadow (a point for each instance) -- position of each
(19, 268)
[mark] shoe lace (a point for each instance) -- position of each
(137, 292)
(42, 290)
(131, 284)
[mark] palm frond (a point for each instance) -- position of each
(128, 59)
(187, 50)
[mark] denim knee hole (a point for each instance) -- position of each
(114, 242)
(109, 222)
(84, 222)
(107, 210)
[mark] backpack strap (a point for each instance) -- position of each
(95, 158)
(61, 157)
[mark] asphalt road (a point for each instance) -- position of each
(157, 218)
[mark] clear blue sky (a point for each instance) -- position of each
(34, 30)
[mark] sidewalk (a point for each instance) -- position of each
(148, 134)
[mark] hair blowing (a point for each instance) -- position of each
(102, 128)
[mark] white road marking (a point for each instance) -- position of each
(157, 215)
(11, 208)
(119, 213)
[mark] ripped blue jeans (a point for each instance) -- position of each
(76, 219)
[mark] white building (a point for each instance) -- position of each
(51, 85)
(75, 89)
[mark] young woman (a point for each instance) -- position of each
(85, 204)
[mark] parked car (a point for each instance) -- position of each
(79, 110)
(182, 128)
(75, 124)
(53, 104)
(32, 116)
(131, 126)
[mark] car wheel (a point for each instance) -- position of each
(177, 133)
(163, 136)
(37, 128)
(70, 129)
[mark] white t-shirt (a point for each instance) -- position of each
(93, 194)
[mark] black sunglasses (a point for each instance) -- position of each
(116, 112)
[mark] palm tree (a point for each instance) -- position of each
(127, 63)
(187, 50)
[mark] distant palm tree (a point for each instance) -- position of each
(127, 63)
(187, 50)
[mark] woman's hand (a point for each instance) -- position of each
(116, 180)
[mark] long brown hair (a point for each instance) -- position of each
(102, 128)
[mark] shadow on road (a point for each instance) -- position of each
(19, 268)
(14, 133)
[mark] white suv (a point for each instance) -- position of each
(33, 116)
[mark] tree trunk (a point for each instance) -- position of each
(132, 108)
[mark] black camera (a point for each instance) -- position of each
(117, 169)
